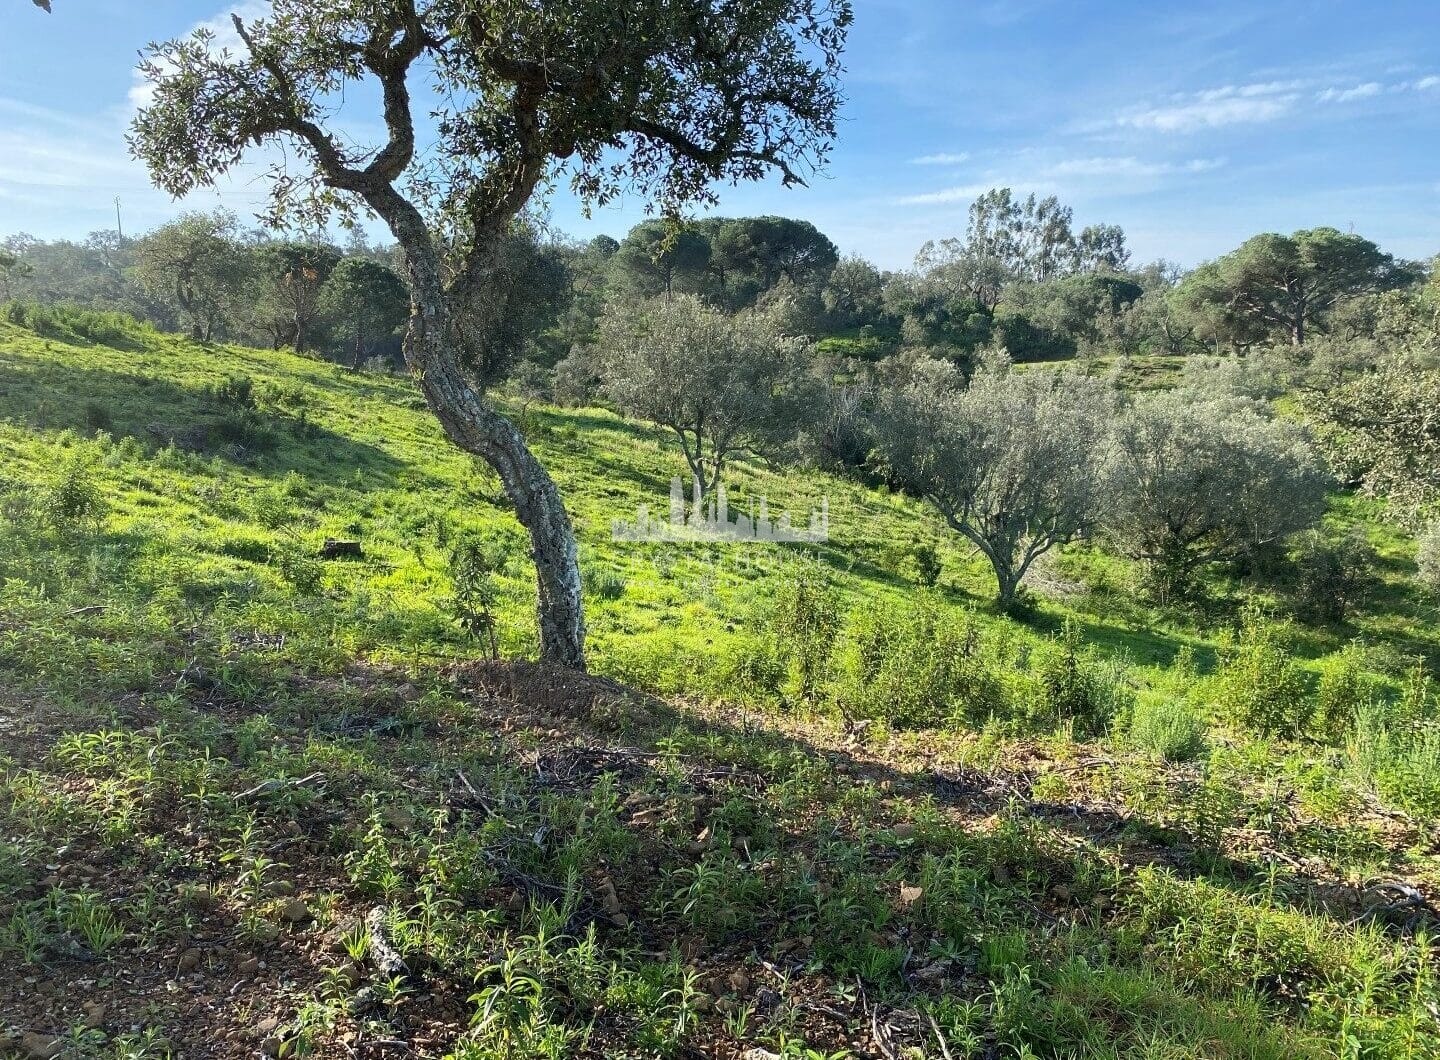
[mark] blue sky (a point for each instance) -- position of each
(1192, 126)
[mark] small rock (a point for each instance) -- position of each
(335, 938)
(349, 974)
(932, 973)
(296, 911)
(40, 1046)
(266, 1027)
(398, 818)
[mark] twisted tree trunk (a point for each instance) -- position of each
(432, 351)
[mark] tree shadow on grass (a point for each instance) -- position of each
(154, 410)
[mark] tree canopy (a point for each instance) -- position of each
(1013, 462)
(711, 378)
(653, 97)
(1283, 285)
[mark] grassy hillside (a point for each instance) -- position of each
(242, 784)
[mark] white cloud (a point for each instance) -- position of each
(1347, 95)
(224, 38)
(1066, 175)
(1129, 166)
(1252, 104)
(964, 193)
(1215, 108)
(942, 159)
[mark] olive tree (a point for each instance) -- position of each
(1014, 462)
(1197, 478)
(716, 381)
(364, 302)
(1427, 559)
(195, 264)
(658, 98)
(1381, 431)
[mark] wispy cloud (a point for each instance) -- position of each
(1129, 166)
(1256, 103)
(221, 27)
(943, 159)
(964, 193)
(1348, 95)
(1065, 175)
(1217, 107)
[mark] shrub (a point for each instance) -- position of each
(1344, 689)
(1072, 685)
(242, 427)
(751, 669)
(301, 572)
(234, 392)
(1258, 684)
(917, 667)
(67, 322)
(1170, 728)
(927, 564)
(72, 499)
(803, 625)
(473, 563)
(1400, 757)
(1331, 575)
(1428, 559)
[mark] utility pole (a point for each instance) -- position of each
(119, 231)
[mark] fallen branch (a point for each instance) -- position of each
(387, 959)
(269, 787)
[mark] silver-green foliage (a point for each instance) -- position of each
(1014, 462)
(1428, 559)
(1199, 477)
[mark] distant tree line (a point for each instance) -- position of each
(754, 335)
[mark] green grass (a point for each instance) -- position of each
(861, 809)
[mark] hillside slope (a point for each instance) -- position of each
(257, 801)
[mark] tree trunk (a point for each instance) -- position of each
(1007, 585)
(433, 353)
(474, 426)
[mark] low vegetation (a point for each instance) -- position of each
(814, 802)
